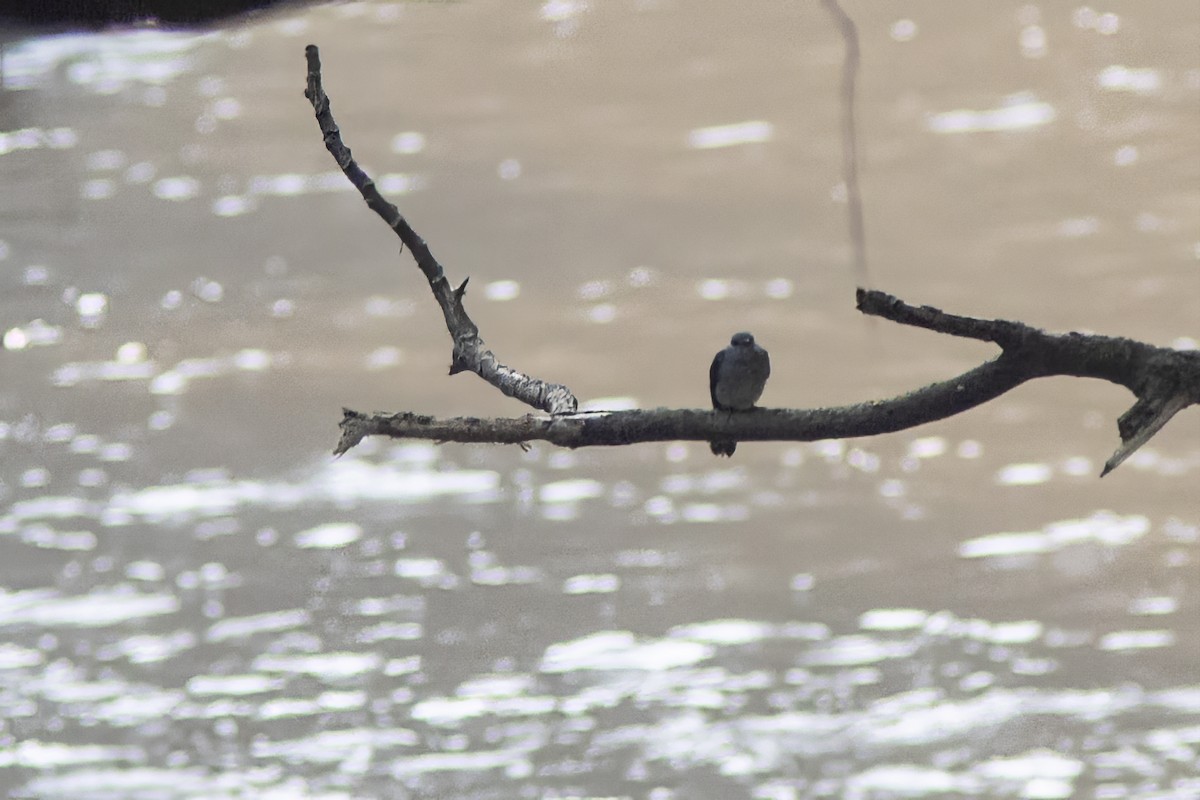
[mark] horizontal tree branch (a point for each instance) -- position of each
(1165, 381)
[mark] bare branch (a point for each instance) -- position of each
(1164, 380)
(469, 352)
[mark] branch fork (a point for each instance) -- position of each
(1164, 381)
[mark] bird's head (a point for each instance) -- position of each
(742, 339)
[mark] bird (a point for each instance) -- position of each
(736, 380)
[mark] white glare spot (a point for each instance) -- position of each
(331, 535)
(676, 452)
(161, 420)
(208, 291)
(384, 357)
(35, 478)
(1078, 228)
(286, 185)
(408, 143)
(594, 290)
(15, 339)
(226, 108)
(702, 512)
(502, 290)
(714, 289)
(602, 313)
(1147, 222)
(1125, 155)
(168, 383)
(210, 86)
(561, 459)
(904, 30)
(105, 160)
(509, 169)
(398, 183)
(1136, 640)
(183, 187)
(38, 333)
(252, 360)
(61, 138)
(85, 443)
(802, 582)
(1107, 24)
(892, 619)
(592, 584)
(232, 205)
(927, 447)
(641, 276)
(1077, 466)
(1019, 112)
(1118, 78)
(1033, 41)
(750, 132)
(561, 10)
(141, 172)
(381, 306)
(98, 189)
(292, 27)
(131, 353)
(1023, 474)
(206, 123)
(388, 12)
(1153, 606)
(4, 252)
(863, 461)
(570, 491)
(34, 275)
(779, 289)
(171, 300)
(282, 308)
(969, 448)
(92, 308)
(115, 451)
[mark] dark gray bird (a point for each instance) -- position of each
(736, 380)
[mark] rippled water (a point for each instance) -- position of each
(197, 601)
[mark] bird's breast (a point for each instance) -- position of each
(741, 382)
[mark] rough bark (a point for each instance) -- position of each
(1165, 381)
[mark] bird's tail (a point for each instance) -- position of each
(722, 447)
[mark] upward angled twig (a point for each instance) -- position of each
(1164, 381)
(469, 352)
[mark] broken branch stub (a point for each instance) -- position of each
(1165, 381)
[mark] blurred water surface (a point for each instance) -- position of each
(197, 601)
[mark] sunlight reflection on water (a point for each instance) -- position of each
(199, 602)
